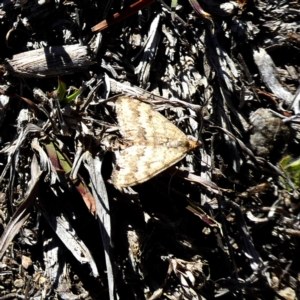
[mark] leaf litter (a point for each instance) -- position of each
(222, 222)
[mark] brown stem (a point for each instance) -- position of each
(123, 14)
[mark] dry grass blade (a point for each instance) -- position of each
(211, 186)
(45, 162)
(93, 165)
(23, 211)
(59, 221)
(269, 75)
(150, 48)
(137, 92)
(13, 151)
(60, 159)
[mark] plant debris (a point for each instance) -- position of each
(222, 222)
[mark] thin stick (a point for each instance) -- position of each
(123, 14)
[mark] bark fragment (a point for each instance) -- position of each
(49, 61)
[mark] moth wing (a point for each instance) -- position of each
(137, 164)
(138, 120)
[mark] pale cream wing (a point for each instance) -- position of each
(137, 164)
(138, 121)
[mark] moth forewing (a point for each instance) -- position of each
(156, 143)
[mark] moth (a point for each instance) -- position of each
(152, 143)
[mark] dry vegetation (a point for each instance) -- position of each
(223, 222)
